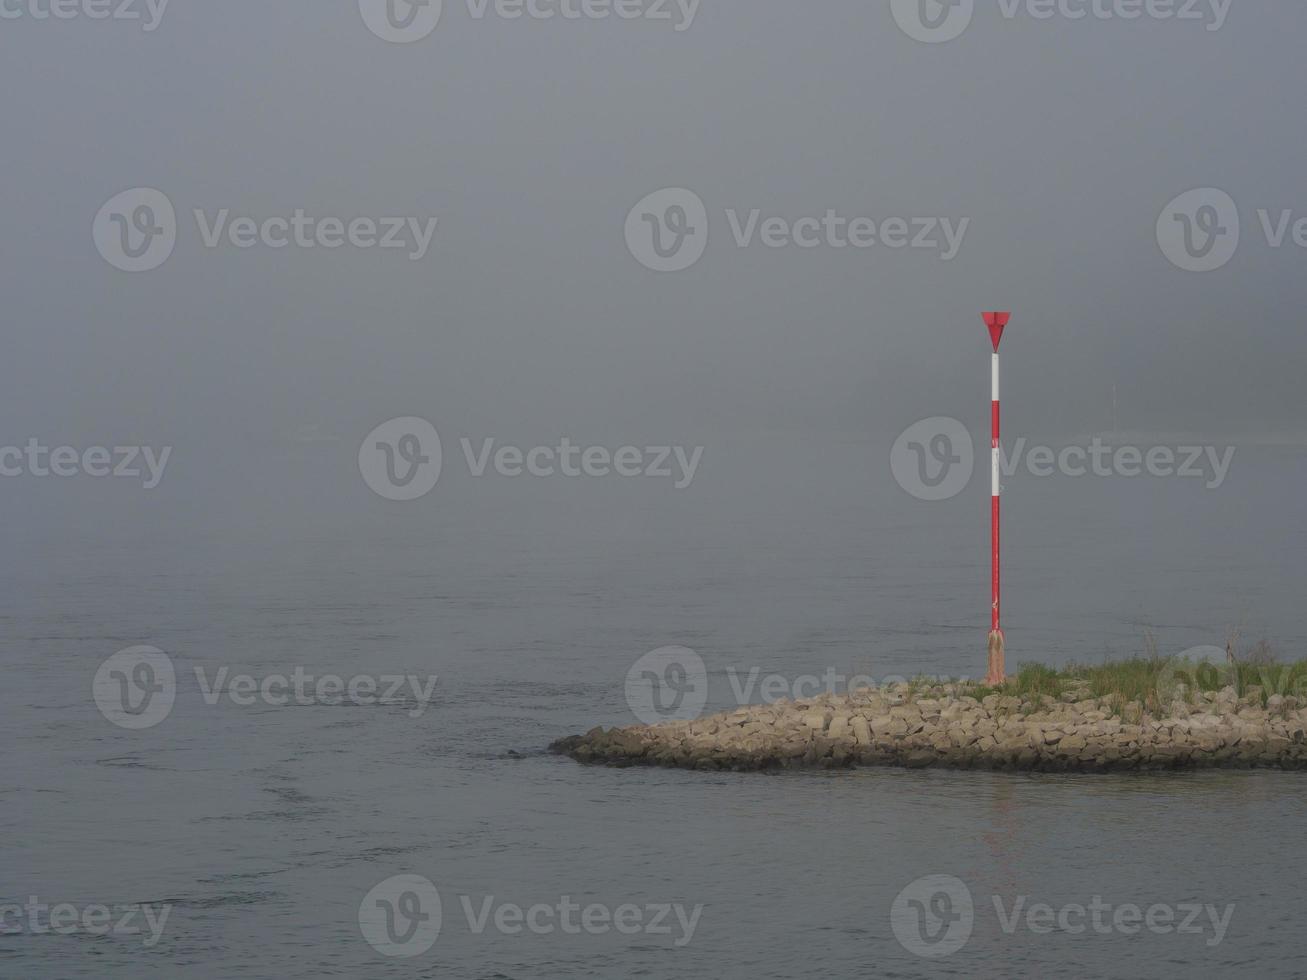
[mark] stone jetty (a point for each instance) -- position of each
(944, 727)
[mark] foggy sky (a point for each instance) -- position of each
(1061, 141)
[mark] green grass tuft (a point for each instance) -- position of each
(1135, 682)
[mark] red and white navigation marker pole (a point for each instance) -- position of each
(996, 673)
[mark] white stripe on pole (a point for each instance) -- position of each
(995, 487)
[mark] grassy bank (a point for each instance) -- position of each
(1153, 682)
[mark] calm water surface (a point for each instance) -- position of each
(263, 827)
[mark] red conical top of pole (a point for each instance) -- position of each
(996, 322)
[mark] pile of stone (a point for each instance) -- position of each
(944, 726)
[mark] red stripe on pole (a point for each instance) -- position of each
(994, 614)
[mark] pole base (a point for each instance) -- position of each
(997, 674)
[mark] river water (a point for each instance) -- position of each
(261, 827)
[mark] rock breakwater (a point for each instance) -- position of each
(944, 726)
